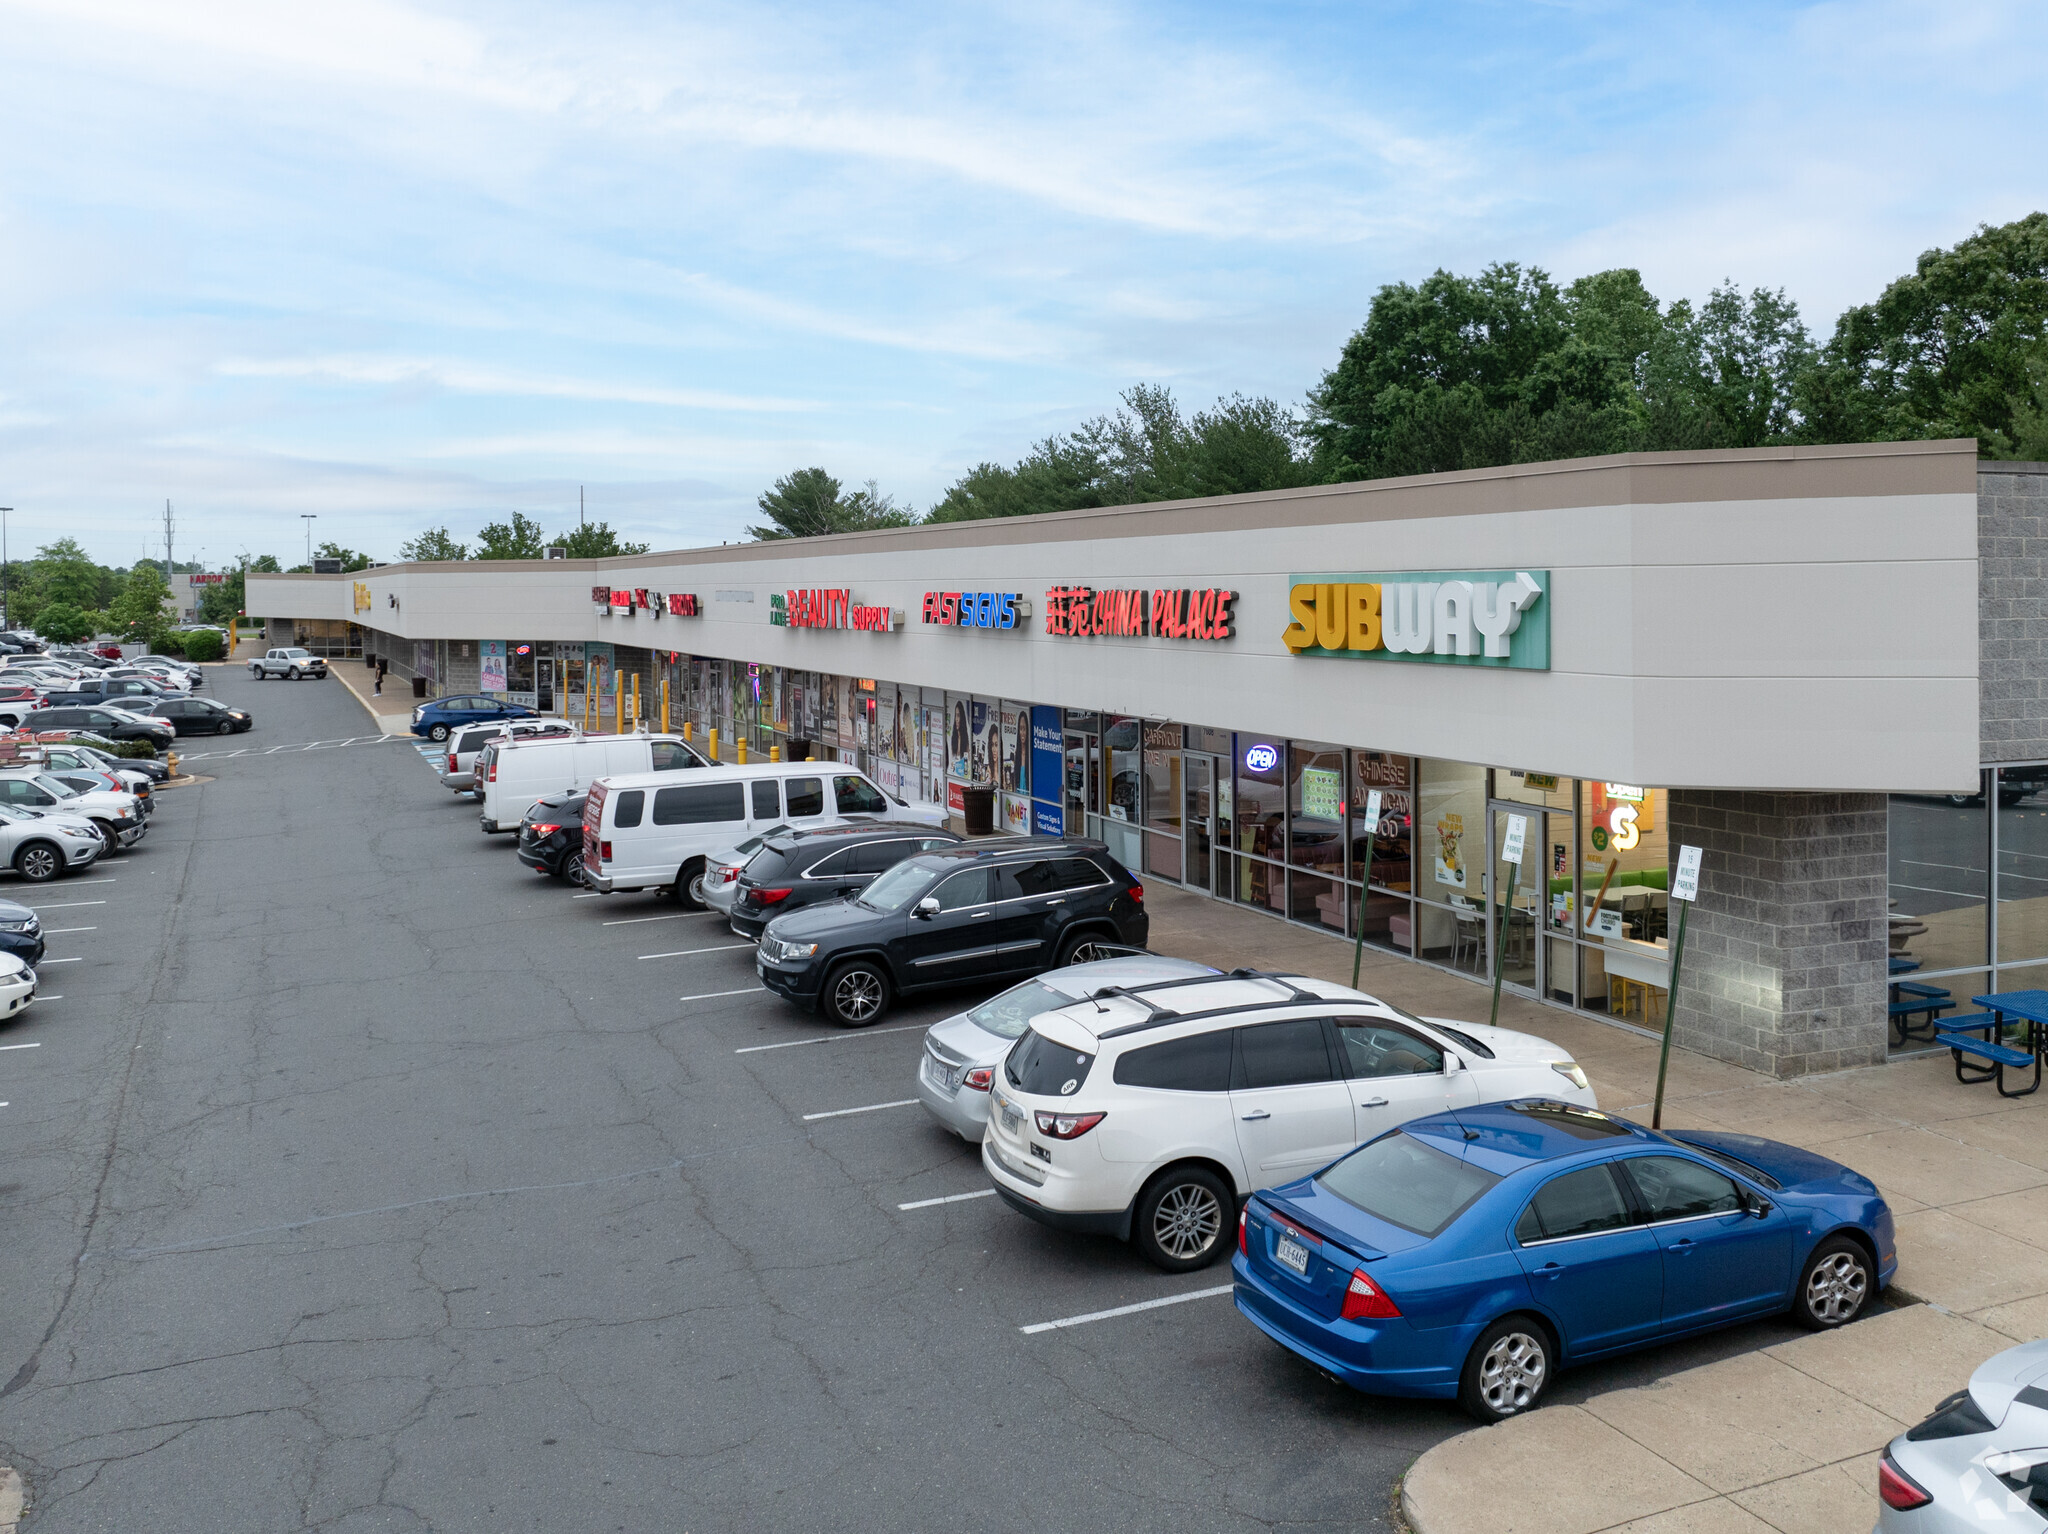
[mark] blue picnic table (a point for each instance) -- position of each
(1980, 1048)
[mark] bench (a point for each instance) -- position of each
(1931, 999)
(1960, 1034)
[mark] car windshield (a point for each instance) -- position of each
(1007, 1015)
(1406, 1183)
(9, 812)
(897, 888)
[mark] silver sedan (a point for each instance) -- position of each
(961, 1054)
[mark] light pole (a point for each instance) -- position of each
(5, 615)
(307, 518)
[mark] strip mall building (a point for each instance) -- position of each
(1822, 666)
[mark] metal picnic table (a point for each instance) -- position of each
(2029, 1007)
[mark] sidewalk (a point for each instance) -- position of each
(393, 711)
(1780, 1438)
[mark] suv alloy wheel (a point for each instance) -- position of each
(1181, 1219)
(856, 994)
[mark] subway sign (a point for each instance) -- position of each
(1086, 612)
(975, 609)
(1495, 618)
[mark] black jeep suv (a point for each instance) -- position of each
(983, 912)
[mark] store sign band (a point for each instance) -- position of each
(625, 600)
(830, 608)
(1483, 618)
(975, 609)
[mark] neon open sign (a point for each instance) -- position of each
(1262, 758)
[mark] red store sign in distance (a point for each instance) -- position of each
(1084, 612)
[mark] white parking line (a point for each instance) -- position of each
(49, 998)
(627, 921)
(66, 905)
(951, 1198)
(60, 931)
(73, 960)
(832, 1038)
(1123, 1310)
(840, 1113)
(712, 995)
(592, 895)
(37, 1045)
(684, 953)
(73, 884)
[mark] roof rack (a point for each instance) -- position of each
(1157, 1016)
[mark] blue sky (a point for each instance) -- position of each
(401, 265)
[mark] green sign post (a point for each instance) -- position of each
(1510, 854)
(1684, 889)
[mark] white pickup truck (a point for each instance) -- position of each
(291, 664)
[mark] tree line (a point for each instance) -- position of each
(65, 595)
(1511, 367)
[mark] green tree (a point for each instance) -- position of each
(433, 545)
(203, 644)
(518, 539)
(1949, 351)
(66, 623)
(595, 540)
(808, 504)
(221, 602)
(137, 613)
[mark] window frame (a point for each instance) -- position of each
(1642, 1200)
(1637, 1215)
(1332, 1063)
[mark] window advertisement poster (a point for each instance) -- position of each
(1014, 761)
(959, 738)
(982, 731)
(1046, 819)
(828, 709)
(1322, 793)
(490, 672)
(934, 750)
(598, 664)
(1016, 814)
(1450, 851)
(1048, 758)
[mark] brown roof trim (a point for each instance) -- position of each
(1947, 467)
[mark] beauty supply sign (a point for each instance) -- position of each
(831, 608)
(1495, 618)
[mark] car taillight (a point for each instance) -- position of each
(1898, 1490)
(981, 1078)
(491, 775)
(604, 852)
(545, 830)
(1138, 893)
(1240, 1231)
(773, 897)
(727, 875)
(1366, 1301)
(451, 762)
(1067, 1126)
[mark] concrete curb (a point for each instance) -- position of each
(13, 1498)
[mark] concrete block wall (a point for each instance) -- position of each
(1785, 956)
(2012, 610)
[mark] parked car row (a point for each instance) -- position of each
(1415, 1206)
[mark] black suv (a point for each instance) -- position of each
(103, 722)
(551, 836)
(982, 911)
(803, 868)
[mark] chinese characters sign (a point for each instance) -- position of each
(1085, 612)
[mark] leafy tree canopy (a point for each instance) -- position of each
(520, 538)
(595, 540)
(66, 623)
(808, 504)
(434, 544)
(137, 613)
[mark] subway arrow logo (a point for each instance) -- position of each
(1470, 618)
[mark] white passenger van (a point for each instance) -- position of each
(647, 831)
(514, 775)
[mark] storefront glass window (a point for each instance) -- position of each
(519, 667)
(1260, 822)
(1938, 884)
(1450, 864)
(1384, 857)
(1162, 793)
(2022, 868)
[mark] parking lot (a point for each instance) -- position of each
(356, 1177)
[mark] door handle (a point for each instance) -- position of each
(1682, 1244)
(1551, 1270)
(1374, 1102)
(977, 915)
(1256, 1113)
(1057, 900)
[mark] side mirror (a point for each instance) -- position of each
(1453, 1062)
(1754, 1205)
(927, 907)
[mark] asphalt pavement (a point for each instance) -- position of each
(361, 1179)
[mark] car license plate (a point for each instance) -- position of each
(1291, 1253)
(1013, 1119)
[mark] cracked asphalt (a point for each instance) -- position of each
(365, 1181)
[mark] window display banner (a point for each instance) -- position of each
(490, 672)
(1463, 618)
(1015, 767)
(982, 730)
(1048, 763)
(1047, 819)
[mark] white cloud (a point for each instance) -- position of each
(467, 378)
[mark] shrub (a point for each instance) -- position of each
(168, 643)
(202, 645)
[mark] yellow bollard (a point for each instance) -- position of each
(636, 700)
(664, 705)
(714, 743)
(775, 753)
(618, 703)
(743, 750)
(688, 731)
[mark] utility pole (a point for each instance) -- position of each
(307, 518)
(6, 617)
(582, 520)
(169, 566)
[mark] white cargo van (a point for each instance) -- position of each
(650, 832)
(514, 775)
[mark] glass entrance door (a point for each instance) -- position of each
(544, 685)
(1197, 821)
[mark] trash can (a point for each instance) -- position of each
(369, 660)
(978, 810)
(419, 687)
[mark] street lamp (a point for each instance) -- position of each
(307, 518)
(4, 614)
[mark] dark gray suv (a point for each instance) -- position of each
(981, 912)
(804, 868)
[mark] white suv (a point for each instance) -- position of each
(1149, 1112)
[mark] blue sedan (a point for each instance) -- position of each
(438, 719)
(1472, 1254)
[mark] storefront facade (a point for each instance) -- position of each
(1749, 651)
